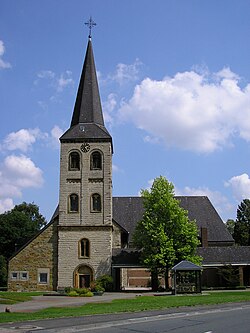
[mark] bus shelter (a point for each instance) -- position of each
(186, 278)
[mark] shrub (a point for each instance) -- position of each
(73, 293)
(82, 291)
(106, 282)
(88, 294)
(96, 287)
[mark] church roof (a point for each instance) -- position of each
(228, 255)
(87, 119)
(127, 211)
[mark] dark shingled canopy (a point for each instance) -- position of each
(186, 265)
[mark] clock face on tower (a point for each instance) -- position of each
(85, 147)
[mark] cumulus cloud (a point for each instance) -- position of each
(55, 134)
(24, 139)
(21, 140)
(240, 186)
(16, 174)
(200, 112)
(3, 64)
(6, 204)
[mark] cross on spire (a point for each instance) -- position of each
(90, 23)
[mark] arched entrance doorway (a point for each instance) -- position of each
(83, 276)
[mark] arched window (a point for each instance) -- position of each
(74, 161)
(96, 161)
(84, 248)
(96, 205)
(73, 203)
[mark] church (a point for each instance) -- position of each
(90, 232)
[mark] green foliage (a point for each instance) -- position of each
(96, 287)
(230, 224)
(241, 233)
(165, 234)
(18, 226)
(73, 293)
(230, 275)
(106, 282)
(3, 271)
(78, 292)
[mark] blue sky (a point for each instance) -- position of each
(174, 79)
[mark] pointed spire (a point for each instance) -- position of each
(88, 105)
(87, 120)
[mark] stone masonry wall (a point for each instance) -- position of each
(100, 252)
(40, 255)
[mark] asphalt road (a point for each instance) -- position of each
(228, 318)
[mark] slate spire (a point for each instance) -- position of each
(87, 120)
(88, 107)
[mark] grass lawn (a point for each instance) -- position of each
(140, 303)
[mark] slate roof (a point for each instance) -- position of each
(87, 120)
(228, 255)
(186, 265)
(127, 211)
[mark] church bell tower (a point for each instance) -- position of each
(85, 203)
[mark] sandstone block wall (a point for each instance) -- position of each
(40, 255)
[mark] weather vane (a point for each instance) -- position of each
(90, 23)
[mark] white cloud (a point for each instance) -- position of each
(21, 140)
(3, 64)
(58, 82)
(16, 174)
(46, 74)
(55, 134)
(64, 80)
(200, 112)
(108, 108)
(240, 186)
(126, 72)
(6, 204)
(22, 172)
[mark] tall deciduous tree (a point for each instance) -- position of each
(242, 225)
(19, 225)
(165, 234)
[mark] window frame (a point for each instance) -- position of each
(22, 275)
(70, 205)
(96, 162)
(45, 272)
(96, 207)
(77, 161)
(84, 248)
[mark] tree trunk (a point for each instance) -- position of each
(154, 280)
(166, 279)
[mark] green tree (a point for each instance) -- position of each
(19, 225)
(241, 233)
(165, 234)
(3, 271)
(230, 224)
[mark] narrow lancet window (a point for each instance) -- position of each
(74, 161)
(96, 203)
(73, 203)
(96, 161)
(84, 248)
